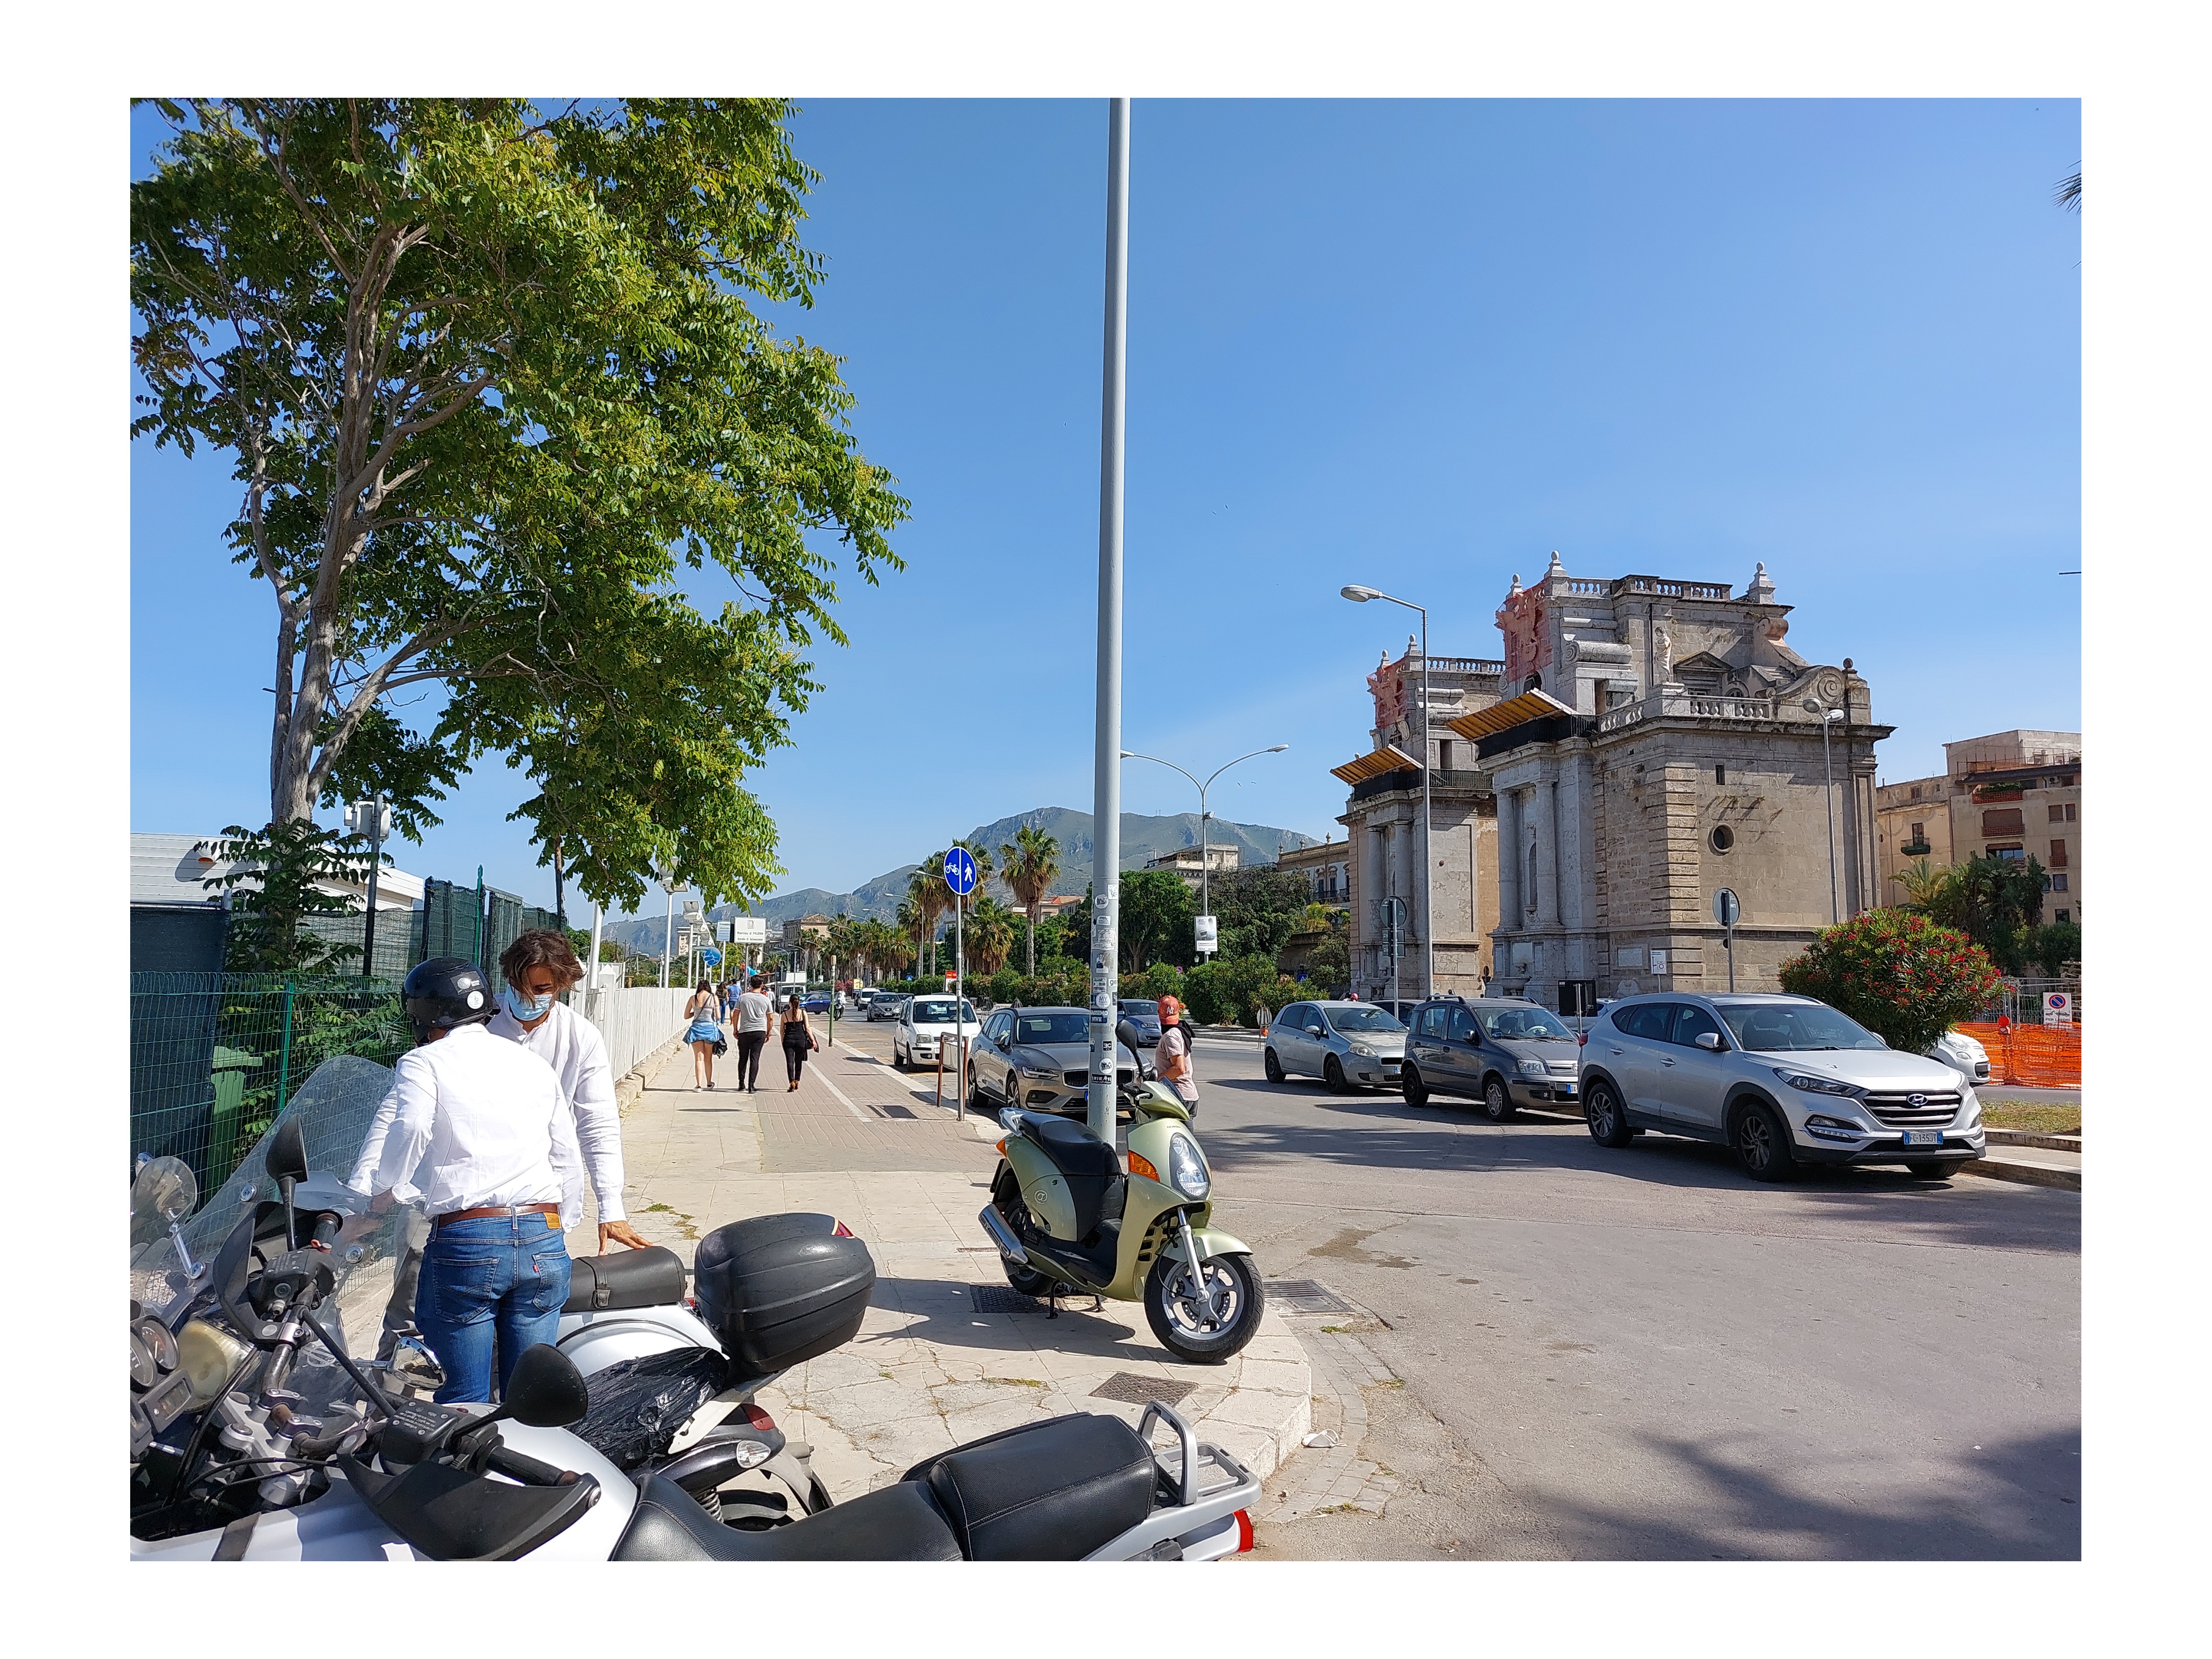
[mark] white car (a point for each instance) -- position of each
(924, 1023)
(1965, 1055)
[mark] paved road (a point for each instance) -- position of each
(1645, 1354)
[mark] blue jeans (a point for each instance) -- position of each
(491, 1287)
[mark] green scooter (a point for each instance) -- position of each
(1069, 1218)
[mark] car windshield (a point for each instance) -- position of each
(1138, 1008)
(1069, 1027)
(1363, 1018)
(1769, 1028)
(1522, 1026)
(938, 1010)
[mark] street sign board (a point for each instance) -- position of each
(749, 930)
(711, 957)
(960, 871)
(1726, 910)
(1209, 936)
(2057, 1008)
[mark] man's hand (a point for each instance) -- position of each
(382, 1202)
(621, 1232)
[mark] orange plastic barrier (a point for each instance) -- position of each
(2032, 1056)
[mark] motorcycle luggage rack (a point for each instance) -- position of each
(1198, 1489)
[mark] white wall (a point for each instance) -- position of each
(633, 1020)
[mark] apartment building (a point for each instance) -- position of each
(2016, 794)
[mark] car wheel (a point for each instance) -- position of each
(1332, 1073)
(1496, 1104)
(1417, 1092)
(1930, 1169)
(1762, 1144)
(1603, 1113)
(898, 1057)
(1275, 1072)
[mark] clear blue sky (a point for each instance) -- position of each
(1418, 345)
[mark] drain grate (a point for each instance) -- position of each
(1132, 1389)
(1002, 1299)
(1308, 1295)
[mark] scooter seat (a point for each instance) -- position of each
(1074, 1150)
(651, 1277)
(900, 1522)
(1053, 1491)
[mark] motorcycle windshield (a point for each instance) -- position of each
(333, 1109)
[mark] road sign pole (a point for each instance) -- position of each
(1106, 791)
(959, 1003)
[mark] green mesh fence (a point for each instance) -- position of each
(215, 1057)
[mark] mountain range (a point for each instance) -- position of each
(1142, 839)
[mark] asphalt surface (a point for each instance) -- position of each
(1644, 1354)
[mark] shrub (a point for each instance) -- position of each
(1902, 976)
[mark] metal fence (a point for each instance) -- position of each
(215, 1057)
(2020, 1000)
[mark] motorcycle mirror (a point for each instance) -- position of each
(1126, 1033)
(546, 1390)
(166, 1187)
(288, 1152)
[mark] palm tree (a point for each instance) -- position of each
(931, 899)
(918, 911)
(989, 936)
(1032, 864)
(2068, 193)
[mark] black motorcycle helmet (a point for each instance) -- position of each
(443, 992)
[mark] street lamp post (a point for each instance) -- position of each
(1359, 595)
(668, 934)
(1205, 843)
(1828, 800)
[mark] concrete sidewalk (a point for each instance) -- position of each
(948, 1352)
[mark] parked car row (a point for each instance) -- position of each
(1784, 1081)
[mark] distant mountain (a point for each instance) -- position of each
(1142, 840)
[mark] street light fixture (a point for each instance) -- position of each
(1360, 595)
(1828, 718)
(1205, 862)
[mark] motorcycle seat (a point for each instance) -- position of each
(1053, 1491)
(651, 1277)
(899, 1522)
(1074, 1150)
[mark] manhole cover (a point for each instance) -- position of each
(1000, 1299)
(1305, 1295)
(1132, 1389)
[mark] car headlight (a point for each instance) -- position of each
(1364, 1049)
(1187, 1171)
(1815, 1085)
(1532, 1068)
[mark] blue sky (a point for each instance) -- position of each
(1418, 345)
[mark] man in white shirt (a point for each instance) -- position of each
(752, 1011)
(478, 1132)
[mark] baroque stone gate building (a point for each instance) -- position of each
(1643, 743)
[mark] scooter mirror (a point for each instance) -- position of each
(1125, 1034)
(288, 1152)
(546, 1390)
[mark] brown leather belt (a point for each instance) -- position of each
(480, 1213)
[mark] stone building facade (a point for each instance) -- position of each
(1327, 868)
(1661, 741)
(1383, 850)
(2016, 794)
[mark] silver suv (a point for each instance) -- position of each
(1785, 1080)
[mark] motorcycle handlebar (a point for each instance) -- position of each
(528, 1470)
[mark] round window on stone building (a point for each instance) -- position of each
(1723, 838)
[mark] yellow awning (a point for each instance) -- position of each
(1388, 758)
(1505, 716)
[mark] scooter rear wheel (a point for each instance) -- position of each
(1190, 1328)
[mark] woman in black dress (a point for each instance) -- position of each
(797, 1039)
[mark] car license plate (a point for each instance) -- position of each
(1566, 1088)
(1924, 1137)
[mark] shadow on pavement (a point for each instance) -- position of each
(2017, 1500)
(943, 1311)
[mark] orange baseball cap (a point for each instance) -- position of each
(1169, 1008)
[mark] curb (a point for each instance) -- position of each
(2029, 1138)
(630, 1086)
(2026, 1174)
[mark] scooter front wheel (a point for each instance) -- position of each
(1208, 1316)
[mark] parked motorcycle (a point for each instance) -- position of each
(1068, 1217)
(255, 1435)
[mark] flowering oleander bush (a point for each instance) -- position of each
(1898, 974)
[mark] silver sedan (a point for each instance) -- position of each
(1345, 1044)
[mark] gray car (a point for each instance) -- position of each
(1786, 1081)
(1038, 1059)
(1345, 1044)
(1506, 1052)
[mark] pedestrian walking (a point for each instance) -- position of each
(754, 1012)
(1171, 1058)
(704, 1034)
(480, 1134)
(797, 1039)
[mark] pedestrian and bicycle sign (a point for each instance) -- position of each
(960, 871)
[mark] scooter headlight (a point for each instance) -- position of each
(1187, 1171)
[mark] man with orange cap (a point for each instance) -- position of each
(1171, 1058)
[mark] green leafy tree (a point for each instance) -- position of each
(2055, 947)
(1031, 863)
(1156, 913)
(988, 935)
(491, 384)
(1906, 978)
(1259, 909)
(274, 880)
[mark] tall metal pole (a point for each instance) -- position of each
(375, 863)
(1205, 855)
(1428, 856)
(592, 971)
(1106, 788)
(1828, 800)
(959, 1011)
(668, 939)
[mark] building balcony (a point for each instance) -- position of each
(1916, 849)
(1688, 704)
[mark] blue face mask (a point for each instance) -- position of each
(524, 1008)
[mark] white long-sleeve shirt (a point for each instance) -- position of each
(572, 1047)
(471, 1121)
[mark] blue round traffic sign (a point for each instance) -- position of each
(960, 871)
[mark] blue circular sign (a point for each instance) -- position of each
(960, 871)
